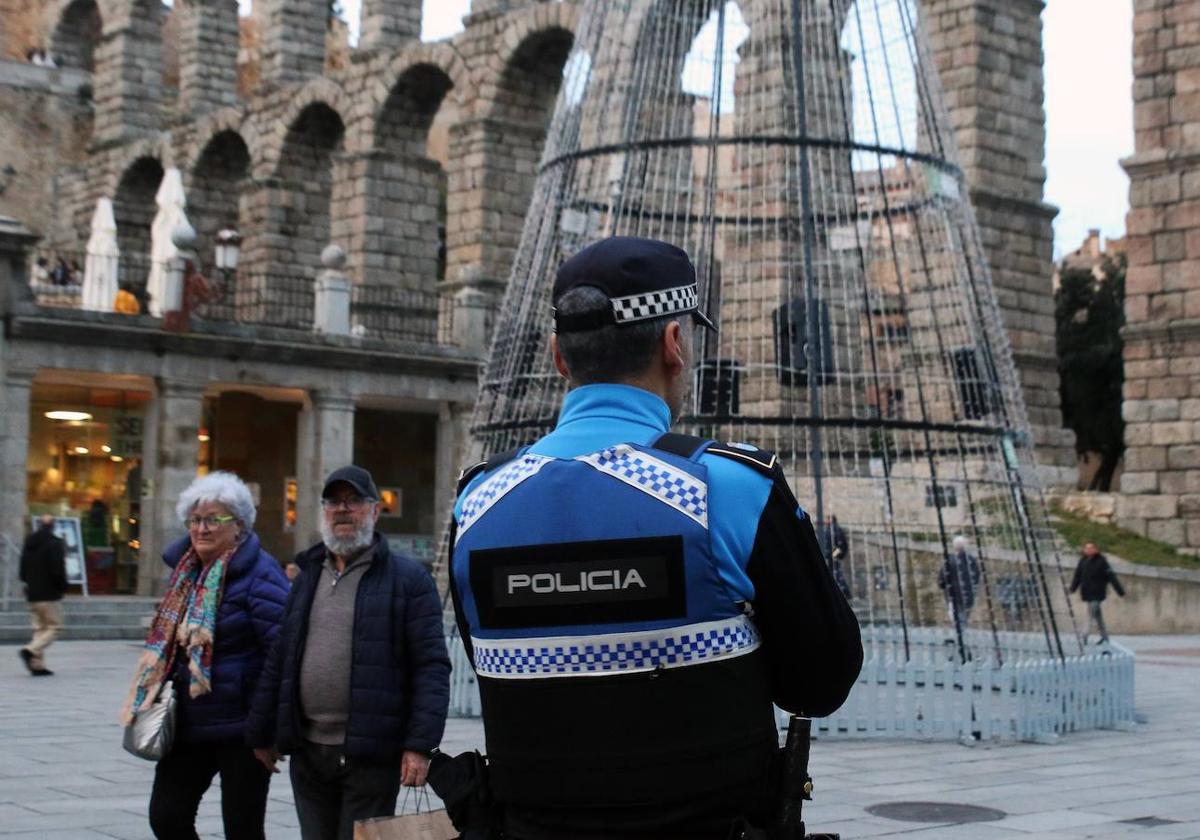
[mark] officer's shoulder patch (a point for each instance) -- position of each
(760, 459)
(468, 475)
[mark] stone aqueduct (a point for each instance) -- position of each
(311, 155)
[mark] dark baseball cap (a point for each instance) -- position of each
(356, 477)
(643, 278)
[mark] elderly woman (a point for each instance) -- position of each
(210, 634)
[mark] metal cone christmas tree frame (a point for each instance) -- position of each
(799, 150)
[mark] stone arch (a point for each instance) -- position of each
(76, 27)
(404, 179)
(232, 119)
(134, 209)
(324, 92)
(219, 179)
(293, 210)
(528, 67)
(124, 157)
(492, 184)
(442, 56)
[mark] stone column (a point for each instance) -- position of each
(293, 39)
(388, 24)
(208, 50)
(989, 56)
(452, 438)
(387, 216)
(1160, 488)
(170, 457)
(14, 455)
(324, 442)
(128, 77)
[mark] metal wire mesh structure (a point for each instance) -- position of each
(799, 150)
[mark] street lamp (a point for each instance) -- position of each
(229, 248)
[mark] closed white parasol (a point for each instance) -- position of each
(103, 257)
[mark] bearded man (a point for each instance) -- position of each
(357, 686)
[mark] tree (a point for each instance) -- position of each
(1089, 313)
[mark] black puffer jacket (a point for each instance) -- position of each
(43, 566)
(1092, 576)
(400, 674)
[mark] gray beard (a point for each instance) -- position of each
(345, 546)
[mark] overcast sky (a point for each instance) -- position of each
(1089, 111)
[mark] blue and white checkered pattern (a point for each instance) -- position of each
(493, 489)
(669, 484)
(581, 656)
(655, 304)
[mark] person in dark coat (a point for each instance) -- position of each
(44, 573)
(210, 635)
(1092, 577)
(957, 579)
(358, 687)
(836, 546)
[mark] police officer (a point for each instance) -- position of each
(634, 600)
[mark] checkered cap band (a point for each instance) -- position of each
(494, 488)
(670, 485)
(655, 304)
(645, 650)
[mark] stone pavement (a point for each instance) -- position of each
(63, 775)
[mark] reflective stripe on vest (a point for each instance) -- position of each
(626, 653)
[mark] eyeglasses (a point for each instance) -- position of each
(208, 521)
(350, 503)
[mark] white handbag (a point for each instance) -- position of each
(152, 731)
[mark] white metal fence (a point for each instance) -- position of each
(1023, 695)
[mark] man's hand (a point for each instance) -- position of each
(414, 767)
(267, 757)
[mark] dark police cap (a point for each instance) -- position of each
(356, 477)
(643, 278)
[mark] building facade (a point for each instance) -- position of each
(418, 160)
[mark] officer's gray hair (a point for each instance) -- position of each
(224, 488)
(610, 353)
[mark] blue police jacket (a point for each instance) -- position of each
(606, 588)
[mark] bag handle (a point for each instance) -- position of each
(419, 797)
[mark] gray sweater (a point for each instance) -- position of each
(328, 650)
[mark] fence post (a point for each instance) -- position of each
(331, 303)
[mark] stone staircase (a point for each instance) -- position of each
(98, 617)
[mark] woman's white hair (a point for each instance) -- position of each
(960, 541)
(225, 489)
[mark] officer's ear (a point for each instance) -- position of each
(674, 349)
(560, 364)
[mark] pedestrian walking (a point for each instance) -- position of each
(633, 600)
(44, 573)
(210, 635)
(836, 546)
(957, 579)
(1092, 578)
(358, 687)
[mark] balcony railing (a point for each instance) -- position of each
(277, 300)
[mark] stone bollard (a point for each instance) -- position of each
(183, 237)
(331, 306)
(469, 326)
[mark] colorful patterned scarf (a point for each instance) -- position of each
(187, 617)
